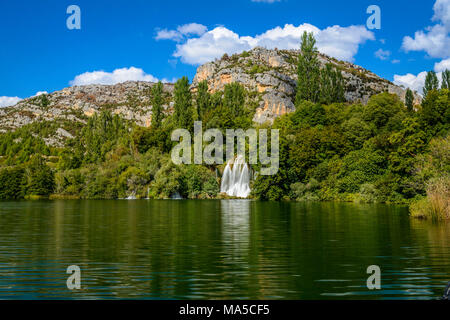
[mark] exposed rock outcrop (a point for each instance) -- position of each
(130, 99)
(273, 75)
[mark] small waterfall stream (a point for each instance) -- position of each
(132, 196)
(236, 178)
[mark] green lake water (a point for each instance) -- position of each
(218, 249)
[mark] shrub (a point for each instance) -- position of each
(308, 192)
(436, 205)
(368, 193)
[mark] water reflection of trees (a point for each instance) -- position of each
(220, 249)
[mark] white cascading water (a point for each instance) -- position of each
(132, 196)
(236, 178)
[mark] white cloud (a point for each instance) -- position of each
(435, 40)
(395, 61)
(212, 44)
(442, 12)
(382, 54)
(181, 32)
(336, 41)
(192, 29)
(442, 66)
(8, 101)
(165, 34)
(11, 101)
(414, 82)
(117, 76)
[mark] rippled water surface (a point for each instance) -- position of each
(224, 249)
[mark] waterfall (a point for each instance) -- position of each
(236, 178)
(176, 196)
(132, 196)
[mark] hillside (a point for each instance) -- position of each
(273, 75)
(130, 100)
(269, 76)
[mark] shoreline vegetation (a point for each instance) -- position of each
(386, 151)
(436, 205)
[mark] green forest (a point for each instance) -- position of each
(384, 152)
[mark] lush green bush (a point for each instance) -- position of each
(436, 206)
(12, 183)
(40, 178)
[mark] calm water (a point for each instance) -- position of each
(225, 249)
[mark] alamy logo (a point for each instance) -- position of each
(374, 281)
(374, 21)
(213, 152)
(74, 280)
(74, 21)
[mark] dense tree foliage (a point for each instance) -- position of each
(234, 99)
(325, 85)
(354, 152)
(40, 178)
(327, 152)
(384, 151)
(332, 86)
(12, 183)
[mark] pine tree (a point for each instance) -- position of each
(308, 70)
(409, 99)
(183, 104)
(446, 79)
(203, 99)
(157, 104)
(431, 83)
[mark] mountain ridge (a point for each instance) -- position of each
(270, 75)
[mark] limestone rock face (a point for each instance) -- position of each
(272, 74)
(131, 100)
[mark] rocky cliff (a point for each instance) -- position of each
(131, 100)
(273, 74)
(270, 75)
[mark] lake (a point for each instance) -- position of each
(218, 249)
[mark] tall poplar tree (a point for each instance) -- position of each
(157, 104)
(431, 83)
(234, 98)
(446, 79)
(183, 104)
(203, 99)
(409, 99)
(308, 70)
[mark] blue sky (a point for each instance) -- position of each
(149, 40)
